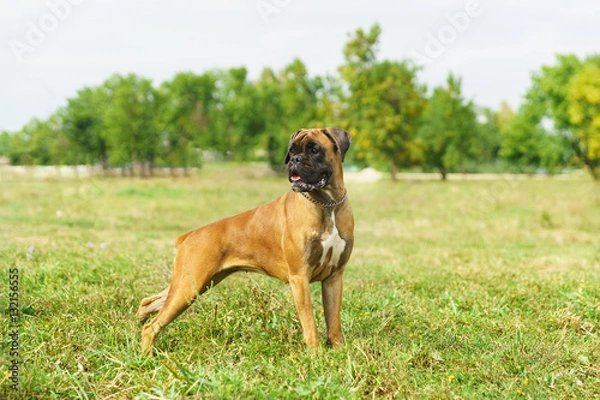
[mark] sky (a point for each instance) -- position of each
(49, 49)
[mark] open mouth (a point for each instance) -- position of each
(299, 185)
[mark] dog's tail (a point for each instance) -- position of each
(151, 305)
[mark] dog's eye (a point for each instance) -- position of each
(314, 150)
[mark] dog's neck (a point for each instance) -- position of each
(330, 196)
(331, 204)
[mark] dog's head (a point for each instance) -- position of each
(315, 156)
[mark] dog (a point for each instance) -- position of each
(304, 236)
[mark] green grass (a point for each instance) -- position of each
(455, 290)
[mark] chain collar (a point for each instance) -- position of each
(326, 205)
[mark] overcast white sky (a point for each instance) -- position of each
(48, 50)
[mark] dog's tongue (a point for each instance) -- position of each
(295, 178)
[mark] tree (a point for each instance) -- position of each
(269, 91)
(552, 91)
(526, 143)
(185, 103)
(504, 115)
(491, 125)
(550, 87)
(383, 103)
(83, 124)
(5, 143)
(19, 148)
(487, 143)
(329, 96)
(360, 54)
(449, 128)
(584, 115)
(236, 125)
(287, 101)
(61, 150)
(40, 142)
(298, 103)
(130, 122)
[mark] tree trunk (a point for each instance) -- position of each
(229, 153)
(580, 151)
(394, 170)
(588, 163)
(104, 162)
(594, 173)
(444, 172)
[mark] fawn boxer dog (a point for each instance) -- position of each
(304, 236)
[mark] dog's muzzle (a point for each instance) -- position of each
(301, 185)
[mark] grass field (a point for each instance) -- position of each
(462, 290)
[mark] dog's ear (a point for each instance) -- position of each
(340, 138)
(287, 156)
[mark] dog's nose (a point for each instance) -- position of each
(297, 158)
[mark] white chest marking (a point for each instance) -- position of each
(332, 242)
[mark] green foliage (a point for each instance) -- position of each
(14, 147)
(383, 103)
(584, 114)
(185, 104)
(5, 143)
(449, 128)
(360, 52)
(83, 124)
(40, 142)
(525, 143)
(237, 125)
(290, 100)
(550, 87)
(129, 120)
(565, 93)
(487, 140)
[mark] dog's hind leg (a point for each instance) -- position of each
(151, 305)
(182, 293)
(186, 285)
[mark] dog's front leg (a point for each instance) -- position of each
(301, 292)
(332, 288)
